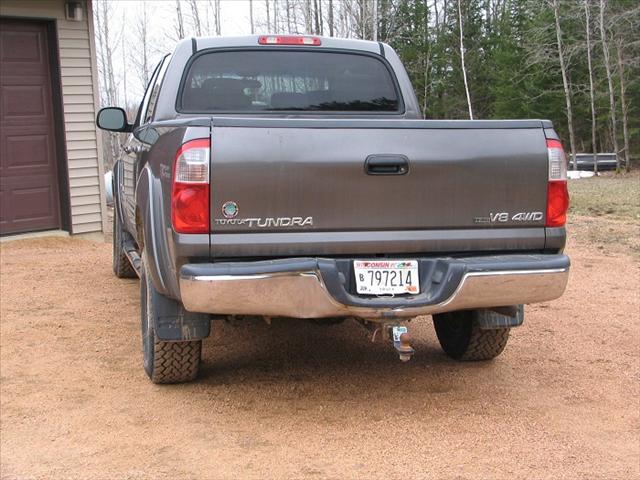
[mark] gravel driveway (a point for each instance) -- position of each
(306, 401)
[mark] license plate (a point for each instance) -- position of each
(386, 277)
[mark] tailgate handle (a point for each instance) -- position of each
(386, 165)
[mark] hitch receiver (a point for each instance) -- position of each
(398, 334)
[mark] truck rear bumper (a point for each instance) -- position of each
(319, 287)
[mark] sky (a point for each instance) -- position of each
(162, 13)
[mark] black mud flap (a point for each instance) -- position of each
(175, 324)
(500, 317)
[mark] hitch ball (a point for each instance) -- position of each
(402, 343)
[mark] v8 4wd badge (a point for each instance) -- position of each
(502, 217)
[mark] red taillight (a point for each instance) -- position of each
(288, 40)
(557, 203)
(190, 190)
(557, 192)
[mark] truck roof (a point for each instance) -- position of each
(201, 43)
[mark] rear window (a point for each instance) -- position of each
(285, 80)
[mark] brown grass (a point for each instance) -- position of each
(605, 212)
(609, 195)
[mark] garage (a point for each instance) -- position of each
(50, 158)
(29, 169)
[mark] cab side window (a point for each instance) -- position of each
(155, 90)
(144, 115)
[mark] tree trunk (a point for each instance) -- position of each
(565, 84)
(207, 16)
(275, 17)
(315, 17)
(251, 16)
(612, 98)
(625, 107)
(288, 7)
(268, 16)
(143, 41)
(464, 69)
(196, 17)
(307, 17)
(374, 20)
(592, 93)
(180, 20)
(110, 97)
(218, 20)
(124, 70)
(331, 18)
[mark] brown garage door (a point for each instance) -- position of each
(29, 197)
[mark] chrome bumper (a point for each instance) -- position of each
(304, 293)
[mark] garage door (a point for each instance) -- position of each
(29, 197)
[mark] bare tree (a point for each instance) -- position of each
(592, 93)
(331, 18)
(268, 16)
(104, 41)
(565, 83)
(109, 89)
(307, 16)
(623, 104)
(140, 58)
(196, 17)
(218, 19)
(179, 26)
(464, 69)
(374, 21)
(607, 66)
(251, 16)
(287, 6)
(316, 17)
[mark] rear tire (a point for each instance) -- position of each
(121, 266)
(164, 362)
(461, 337)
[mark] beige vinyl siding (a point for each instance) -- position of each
(78, 98)
(78, 79)
(84, 200)
(85, 209)
(81, 227)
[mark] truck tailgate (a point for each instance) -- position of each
(291, 175)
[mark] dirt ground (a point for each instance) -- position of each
(297, 400)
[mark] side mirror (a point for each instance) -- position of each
(113, 119)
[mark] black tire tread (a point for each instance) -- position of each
(176, 362)
(123, 268)
(462, 338)
(485, 344)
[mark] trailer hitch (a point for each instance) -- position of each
(402, 342)
(397, 334)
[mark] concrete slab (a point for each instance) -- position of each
(24, 236)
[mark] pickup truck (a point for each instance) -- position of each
(294, 176)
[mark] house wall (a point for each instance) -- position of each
(78, 72)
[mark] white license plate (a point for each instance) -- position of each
(386, 277)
